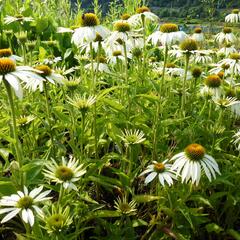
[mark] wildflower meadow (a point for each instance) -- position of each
(118, 124)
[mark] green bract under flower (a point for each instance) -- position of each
(89, 20)
(6, 66)
(56, 221)
(195, 151)
(168, 28)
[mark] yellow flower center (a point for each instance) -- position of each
(117, 53)
(122, 26)
(168, 28)
(101, 59)
(64, 173)
(195, 152)
(6, 66)
(142, 10)
(196, 72)
(89, 20)
(45, 70)
(221, 74)
(189, 45)
(197, 30)
(25, 202)
(125, 16)
(56, 221)
(19, 17)
(213, 81)
(235, 56)
(227, 30)
(170, 65)
(235, 11)
(5, 52)
(159, 167)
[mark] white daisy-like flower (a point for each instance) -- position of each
(233, 63)
(51, 60)
(18, 18)
(162, 171)
(236, 139)
(13, 74)
(192, 162)
(132, 137)
(142, 12)
(168, 34)
(89, 30)
(100, 64)
(202, 56)
(233, 17)
(226, 36)
(23, 203)
(45, 74)
(66, 173)
(198, 35)
(229, 102)
(212, 86)
(227, 50)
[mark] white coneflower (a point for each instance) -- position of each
(57, 220)
(227, 50)
(233, 61)
(202, 56)
(13, 74)
(66, 173)
(89, 30)
(162, 170)
(124, 207)
(192, 162)
(99, 64)
(233, 17)
(17, 18)
(229, 102)
(198, 35)
(168, 34)
(7, 53)
(23, 203)
(220, 67)
(212, 86)
(236, 139)
(45, 74)
(51, 60)
(132, 137)
(142, 12)
(226, 36)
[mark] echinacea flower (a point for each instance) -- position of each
(17, 18)
(233, 17)
(13, 74)
(46, 74)
(226, 36)
(82, 103)
(162, 170)
(23, 203)
(192, 162)
(124, 207)
(233, 63)
(88, 30)
(227, 50)
(99, 64)
(142, 12)
(57, 220)
(202, 56)
(7, 53)
(167, 35)
(66, 173)
(198, 35)
(212, 86)
(132, 137)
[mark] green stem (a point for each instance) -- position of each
(184, 83)
(13, 113)
(161, 91)
(144, 69)
(82, 134)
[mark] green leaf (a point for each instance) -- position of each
(186, 214)
(213, 227)
(145, 198)
(106, 213)
(67, 53)
(200, 199)
(4, 153)
(113, 104)
(7, 188)
(139, 223)
(234, 234)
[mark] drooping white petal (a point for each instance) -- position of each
(150, 177)
(10, 215)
